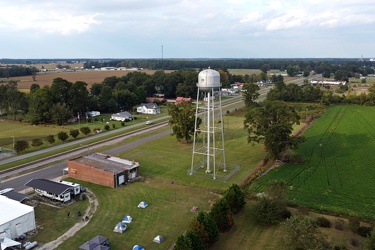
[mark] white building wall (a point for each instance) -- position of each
(18, 220)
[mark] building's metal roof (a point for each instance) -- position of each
(15, 196)
(53, 187)
(106, 162)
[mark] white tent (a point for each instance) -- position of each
(158, 239)
(15, 218)
(6, 242)
(120, 227)
(127, 219)
(142, 204)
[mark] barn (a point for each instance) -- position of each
(15, 218)
(103, 169)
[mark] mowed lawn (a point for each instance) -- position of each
(338, 170)
(168, 189)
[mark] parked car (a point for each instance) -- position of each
(149, 122)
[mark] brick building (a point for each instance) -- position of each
(103, 169)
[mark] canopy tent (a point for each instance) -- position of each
(127, 219)
(158, 239)
(142, 204)
(6, 242)
(138, 247)
(120, 228)
(96, 243)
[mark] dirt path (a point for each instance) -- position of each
(93, 205)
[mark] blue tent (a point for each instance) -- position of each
(138, 247)
(142, 204)
(127, 219)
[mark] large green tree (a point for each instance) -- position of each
(272, 123)
(182, 120)
(250, 93)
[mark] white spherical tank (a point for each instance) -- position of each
(208, 79)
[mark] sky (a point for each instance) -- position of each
(187, 29)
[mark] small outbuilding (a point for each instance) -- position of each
(103, 169)
(158, 239)
(51, 189)
(127, 219)
(122, 116)
(120, 227)
(142, 204)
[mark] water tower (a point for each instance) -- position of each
(208, 148)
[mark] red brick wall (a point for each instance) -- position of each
(90, 174)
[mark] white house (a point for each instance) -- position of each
(148, 108)
(15, 218)
(122, 116)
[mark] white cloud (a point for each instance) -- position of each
(242, 24)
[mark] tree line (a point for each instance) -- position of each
(16, 70)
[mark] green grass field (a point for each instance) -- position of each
(337, 174)
(167, 188)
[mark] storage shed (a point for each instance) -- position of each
(103, 169)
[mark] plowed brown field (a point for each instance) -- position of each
(90, 77)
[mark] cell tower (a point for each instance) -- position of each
(208, 148)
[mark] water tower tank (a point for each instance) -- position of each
(208, 79)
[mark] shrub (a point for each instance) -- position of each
(50, 139)
(106, 127)
(364, 231)
(36, 142)
(354, 224)
(21, 145)
(85, 130)
(339, 224)
(235, 198)
(123, 124)
(354, 242)
(63, 136)
(74, 133)
(113, 125)
(324, 222)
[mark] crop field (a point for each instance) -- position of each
(338, 170)
(90, 77)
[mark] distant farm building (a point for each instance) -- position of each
(103, 169)
(148, 108)
(328, 82)
(182, 99)
(156, 99)
(122, 116)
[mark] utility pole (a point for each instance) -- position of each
(13, 144)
